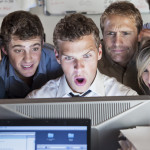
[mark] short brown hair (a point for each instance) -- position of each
(74, 26)
(122, 8)
(22, 24)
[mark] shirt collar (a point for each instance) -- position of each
(98, 85)
(63, 88)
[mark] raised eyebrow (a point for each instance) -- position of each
(127, 31)
(111, 31)
(18, 46)
(36, 44)
(66, 55)
(21, 46)
(88, 51)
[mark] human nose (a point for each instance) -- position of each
(118, 40)
(27, 57)
(79, 64)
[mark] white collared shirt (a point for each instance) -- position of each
(102, 86)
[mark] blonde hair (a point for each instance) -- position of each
(123, 8)
(143, 60)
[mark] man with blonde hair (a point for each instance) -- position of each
(121, 24)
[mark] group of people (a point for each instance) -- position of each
(80, 64)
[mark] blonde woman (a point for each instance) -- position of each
(143, 66)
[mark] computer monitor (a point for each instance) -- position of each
(99, 109)
(45, 134)
(109, 131)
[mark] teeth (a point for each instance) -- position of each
(27, 66)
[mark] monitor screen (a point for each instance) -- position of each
(45, 134)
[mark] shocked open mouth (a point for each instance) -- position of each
(80, 81)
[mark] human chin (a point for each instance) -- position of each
(117, 57)
(80, 84)
(75, 87)
(27, 73)
(80, 89)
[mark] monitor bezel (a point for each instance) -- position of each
(51, 122)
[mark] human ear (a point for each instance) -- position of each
(57, 56)
(100, 52)
(4, 51)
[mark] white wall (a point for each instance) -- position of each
(49, 22)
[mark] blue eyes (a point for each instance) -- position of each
(114, 33)
(87, 55)
(68, 58)
(111, 33)
(126, 33)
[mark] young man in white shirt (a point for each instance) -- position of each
(78, 49)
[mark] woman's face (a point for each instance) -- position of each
(146, 76)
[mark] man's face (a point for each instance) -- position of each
(120, 38)
(24, 55)
(79, 62)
